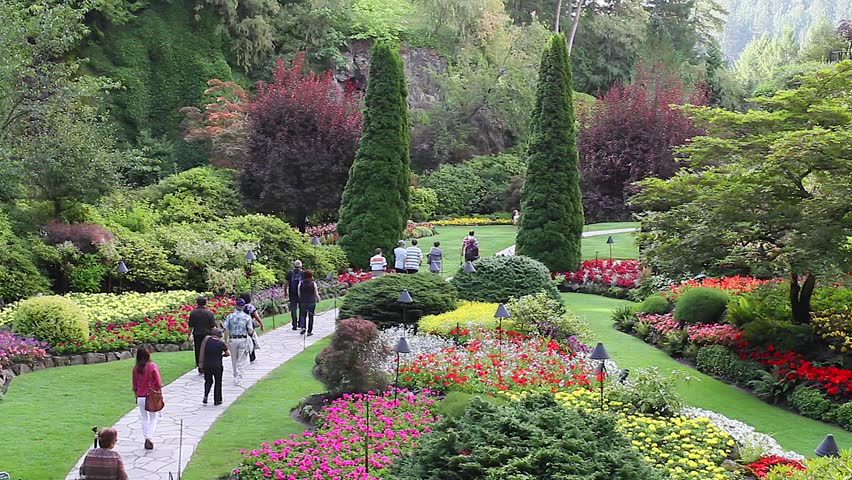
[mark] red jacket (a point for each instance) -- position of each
(149, 378)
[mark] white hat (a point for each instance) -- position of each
(297, 263)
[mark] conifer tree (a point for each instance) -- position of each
(551, 222)
(374, 208)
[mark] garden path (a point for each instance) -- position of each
(594, 233)
(183, 402)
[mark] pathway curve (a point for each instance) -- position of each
(593, 233)
(183, 402)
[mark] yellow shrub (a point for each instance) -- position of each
(468, 315)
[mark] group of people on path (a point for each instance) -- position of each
(409, 260)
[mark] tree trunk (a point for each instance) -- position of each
(800, 297)
(558, 14)
(575, 24)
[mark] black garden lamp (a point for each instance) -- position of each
(469, 268)
(500, 314)
(405, 299)
(609, 242)
(122, 271)
(315, 240)
(600, 353)
(828, 447)
(400, 348)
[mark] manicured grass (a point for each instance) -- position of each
(622, 248)
(492, 239)
(261, 414)
(792, 431)
(609, 226)
(47, 416)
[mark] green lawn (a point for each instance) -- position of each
(261, 414)
(609, 226)
(792, 431)
(622, 248)
(47, 416)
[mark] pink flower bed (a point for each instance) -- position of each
(14, 349)
(714, 334)
(610, 273)
(336, 450)
(662, 323)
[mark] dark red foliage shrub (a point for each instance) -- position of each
(85, 236)
(629, 135)
(351, 362)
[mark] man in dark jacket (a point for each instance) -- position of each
(200, 322)
(212, 351)
(294, 278)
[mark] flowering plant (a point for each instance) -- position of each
(792, 367)
(835, 326)
(762, 465)
(734, 284)
(16, 349)
(473, 221)
(714, 334)
(337, 449)
(609, 273)
(662, 323)
(353, 277)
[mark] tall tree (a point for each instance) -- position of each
(551, 204)
(374, 208)
(301, 134)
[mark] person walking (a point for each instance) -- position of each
(256, 322)
(516, 215)
(378, 264)
(399, 257)
(470, 247)
(146, 377)
(291, 286)
(413, 257)
(212, 351)
(435, 257)
(200, 322)
(102, 462)
(238, 332)
(308, 298)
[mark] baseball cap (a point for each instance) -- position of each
(241, 302)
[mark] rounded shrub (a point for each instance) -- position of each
(51, 319)
(351, 363)
(497, 279)
(376, 299)
(535, 437)
(540, 314)
(811, 403)
(715, 360)
(842, 414)
(701, 305)
(655, 304)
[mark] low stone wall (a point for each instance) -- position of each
(16, 369)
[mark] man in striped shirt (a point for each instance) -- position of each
(413, 257)
(378, 263)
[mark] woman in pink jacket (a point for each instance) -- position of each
(146, 376)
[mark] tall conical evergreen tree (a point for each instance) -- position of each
(551, 224)
(374, 207)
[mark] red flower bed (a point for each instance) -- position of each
(354, 277)
(733, 284)
(610, 273)
(792, 366)
(762, 465)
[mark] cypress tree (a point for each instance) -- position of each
(374, 207)
(551, 224)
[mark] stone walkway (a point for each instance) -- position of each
(593, 233)
(183, 402)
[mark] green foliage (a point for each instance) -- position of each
(719, 361)
(655, 304)
(456, 403)
(376, 299)
(532, 438)
(842, 414)
(163, 59)
(767, 386)
(351, 363)
(19, 276)
(375, 203)
(552, 210)
(51, 319)
(424, 202)
(701, 305)
(479, 185)
(148, 262)
(820, 468)
(767, 302)
(88, 275)
(624, 317)
(811, 403)
(820, 39)
(379, 19)
(497, 279)
(651, 392)
(784, 334)
(198, 194)
(541, 314)
(249, 24)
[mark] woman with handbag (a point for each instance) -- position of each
(148, 388)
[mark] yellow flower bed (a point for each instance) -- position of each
(684, 448)
(468, 315)
(835, 326)
(472, 221)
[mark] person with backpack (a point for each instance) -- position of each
(291, 286)
(470, 247)
(308, 298)
(251, 311)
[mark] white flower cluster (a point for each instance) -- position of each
(744, 434)
(419, 343)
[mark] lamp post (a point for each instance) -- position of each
(469, 268)
(404, 299)
(122, 271)
(600, 353)
(400, 348)
(609, 242)
(500, 314)
(367, 436)
(315, 240)
(828, 447)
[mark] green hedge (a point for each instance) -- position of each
(701, 305)
(655, 304)
(51, 319)
(497, 279)
(376, 299)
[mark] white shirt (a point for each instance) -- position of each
(413, 256)
(399, 258)
(378, 263)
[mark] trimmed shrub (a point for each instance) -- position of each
(743, 372)
(811, 403)
(715, 360)
(842, 415)
(497, 279)
(351, 363)
(51, 319)
(532, 438)
(543, 315)
(655, 304)
(424, 201)
(456, 403)
(701, 305)
(375, 300)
